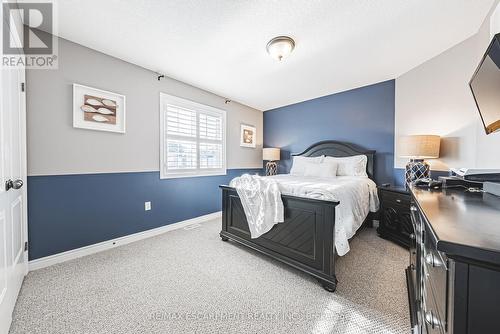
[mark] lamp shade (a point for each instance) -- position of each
(419, 146)
(271, 154)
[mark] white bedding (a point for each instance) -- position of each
(357, 197)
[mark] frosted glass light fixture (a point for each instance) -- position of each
(280, 47)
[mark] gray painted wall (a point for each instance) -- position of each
(55, 147)
(434, 98)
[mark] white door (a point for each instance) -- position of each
(13, 210)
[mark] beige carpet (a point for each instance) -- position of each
(189, 281)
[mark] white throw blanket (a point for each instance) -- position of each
(261, 200)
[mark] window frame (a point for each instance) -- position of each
(198, 108)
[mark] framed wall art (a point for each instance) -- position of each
(248, 136)
(96, 109)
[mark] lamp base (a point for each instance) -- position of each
(271, 168)
(416, 169)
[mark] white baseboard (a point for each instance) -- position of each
(105, 245)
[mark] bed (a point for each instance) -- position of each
(306, 238)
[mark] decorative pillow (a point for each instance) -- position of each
(324, 169)
(350, 166)
(298, 164)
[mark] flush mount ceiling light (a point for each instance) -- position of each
(280, 47)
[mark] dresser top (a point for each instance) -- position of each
(465, 224)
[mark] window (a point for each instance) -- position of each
(192, 138)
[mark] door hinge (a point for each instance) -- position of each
(22, 87)
(25, 246)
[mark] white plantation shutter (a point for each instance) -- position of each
(210, 127)
(210, 155)
(181, 121)
(210, 134)
(192, 138)
(181, 154)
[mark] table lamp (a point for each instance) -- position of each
(271, 155)
(418, 148)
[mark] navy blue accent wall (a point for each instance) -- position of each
(363, 116)
(72, 211)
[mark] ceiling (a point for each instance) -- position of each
(220, 45)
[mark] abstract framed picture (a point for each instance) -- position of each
(248, 136)
(96, 109)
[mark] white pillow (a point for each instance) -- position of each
(324, 169)
(298, 164)
(350, 166)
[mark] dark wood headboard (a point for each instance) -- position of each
(340, 149)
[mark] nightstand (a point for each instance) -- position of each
(395, 222)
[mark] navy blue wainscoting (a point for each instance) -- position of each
(362, 116)
(71, 211)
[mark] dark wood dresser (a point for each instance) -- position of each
(454, 272)
(395, 222)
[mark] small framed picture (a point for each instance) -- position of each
(248, 136)
(97, 109)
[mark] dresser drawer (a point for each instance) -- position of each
(431, 316)
(396, 198)
(435, 274)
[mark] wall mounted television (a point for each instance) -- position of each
(485, 86)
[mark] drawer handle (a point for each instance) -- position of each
(432, 261)
(432, 320)
(398, 200)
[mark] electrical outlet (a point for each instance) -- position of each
(147, 206)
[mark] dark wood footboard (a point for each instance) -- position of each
(304, 241)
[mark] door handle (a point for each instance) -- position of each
(17, 184)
